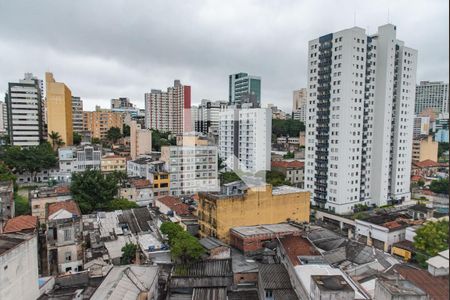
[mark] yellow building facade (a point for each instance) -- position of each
(59, 108)
(217, 214)
(98, 122)
(424, 149)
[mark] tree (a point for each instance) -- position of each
(93, 190)
(95, 141)
(171, 230)
(126, 130)
(128, 253)
(274, 178)
(289, 155)
(56, 139)
(439, 186)
(186, 248)
(113, 134)
(5, 173)
(228, 177)
(77, 138)
(431, 239)
(120, 204)
(220, 163)
(287, 127)
(160, 138)
(442, 147)
(21, 204)
(420, 183)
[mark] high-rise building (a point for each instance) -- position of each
(121, 103)
(77, 114)
(245, 138)
(25, 112)
(59, 109)
(98, 122)
(140, 140)
(3, 118)
(359, 129)
(206, 116)
(299, 105)
(169, 111)
(421, 126)
(432, 95)
(244, 90)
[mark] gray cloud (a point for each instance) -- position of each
(106, 49)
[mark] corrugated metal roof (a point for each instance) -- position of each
(209, 268)
(274, 276)
(209, 294)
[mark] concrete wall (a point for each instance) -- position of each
(19, 272)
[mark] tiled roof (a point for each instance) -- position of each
(69, 205)
(416, 178)
(175, 205)
(437, 287)
(426, 164)
(21, 223)
(288, 164)
(62, 189)
(140, 183)
(296, 246)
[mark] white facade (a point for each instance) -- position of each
(432, 95)
(421, 126)
(19, 267)
(299, 101)
(374, 233)
(191, 168)
(359, 128)
(72, 159)
(25, 112)
(3, 118)
(206, 117)
(77, 114)
(245, 138)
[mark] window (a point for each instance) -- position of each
(67, 234)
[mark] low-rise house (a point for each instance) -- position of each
(139, 191)
(425, 168)
(438, 265)
(293, 170)
(24, 224)
(215, 248)
(64, 237)
(330, 287)
(111, 163)
(129, 282)
(41, 197)
(274, 283)
(6, 202)
(19, 266)
(398, 289)
(174, 208)
(154, 171)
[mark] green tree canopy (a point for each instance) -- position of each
(113, 134)
(128, 253)
(126, 130)
(160, 138)
(431, 239)
(56, 139)
(228, 177)
(287, 127)
(171, 230)
(22, 207)
(442, 147)
(93, 190)
(95, 141)
(121, 203)
(289, 155)
(5, 173)
(439, 186)
(77, 138)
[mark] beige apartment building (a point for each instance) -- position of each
(59, 109)
(140, 140)
(424, 148)
(111, 163)
(98, 122)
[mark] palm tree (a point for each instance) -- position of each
(56, 139)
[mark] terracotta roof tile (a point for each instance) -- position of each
(296, 246)
(21, 223)
(140, 183)
(175, 204)
(426, 164)
(288, 164)
(416, 178)
(437, 287)
(69, 205)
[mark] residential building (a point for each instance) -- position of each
(330, 287)
(25, 112)
(138, 190)
(245, 139)
(3, 118)
(130, 281)
(299, 101)
(63, 238)
(98, 122)
(7, 207)
(169, 111)
(431, 95)
(174, 208)
(421, 126)
(40, 198)
(274, 283)
(390, 289)
(59, 109)
(244, 90)
(19, 265)
(215, 248)
(293, 170)
(359, 120)
(154, 171)
(439, 265)
(241, 206)
(77, 114)
(23, 224)
(192, 166)
(441, 136)
(424, 148)
(121, 102)
(207, 115)
(111, 163)
(140, 140)
(79, 159)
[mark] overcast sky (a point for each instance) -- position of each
(108, 49)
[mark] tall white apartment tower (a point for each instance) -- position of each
(361, 92)
(245, 138)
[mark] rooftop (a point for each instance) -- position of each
(426, 164)
(331, 283)
(21, 223)
(392, 220)
(440, 260)
(175, 205)
(69, 205)
(286, 189)
(436, 287)
(274, 276)
(401, 287)
(206, 268)
(247, 231)
(54, 191)
(288, 164)
(211, 243)
(296, 246)
(11, 241)
(140, 183)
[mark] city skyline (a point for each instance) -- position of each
(276, 51)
